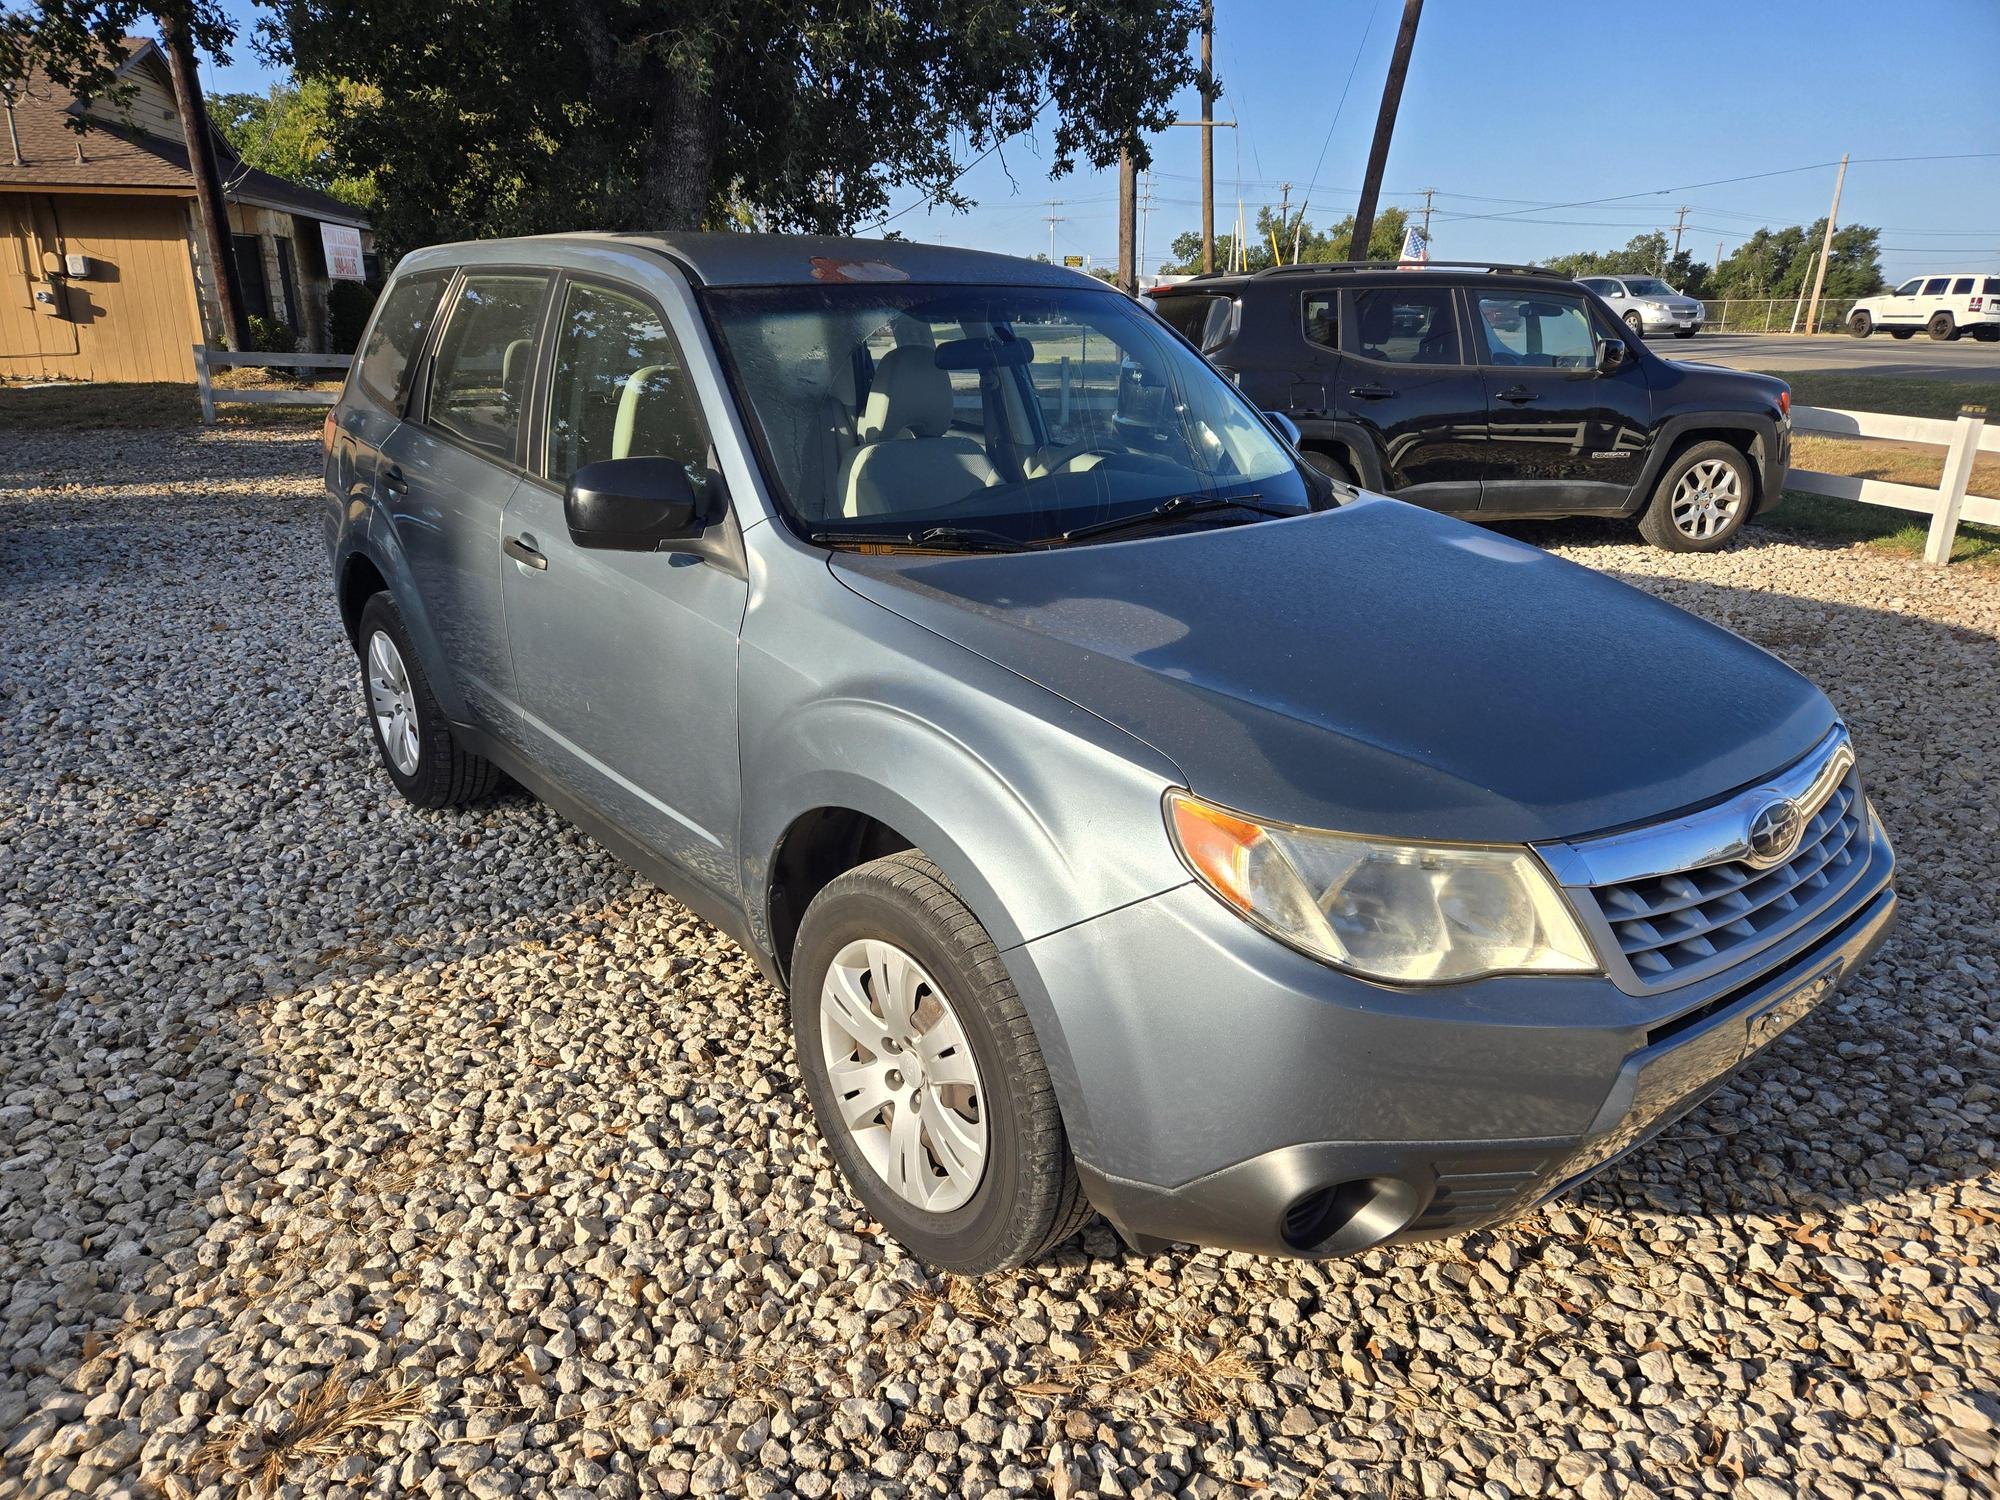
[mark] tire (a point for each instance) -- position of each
(1941, 327)
(1024, 1198)
(417, 749)
(1902, 333)
(1331, 465)
(1861, 325)
(1699, 529)
(1636, 323)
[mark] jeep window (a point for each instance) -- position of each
(1019, 413)
(1205, 322)
(1909, 288)
(383, 370)
(619, 387)
(1962, 286)
(1322, 318)
(1936, 285)
(1416, 326)
(1536, 328)
(486, 360)
(1993, 286)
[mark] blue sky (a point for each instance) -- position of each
(1512, 105)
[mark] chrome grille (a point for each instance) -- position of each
(1702, 892)
(1672, 922)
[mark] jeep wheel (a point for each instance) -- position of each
(412, 735)
(1331, 465)
(1636, 323)
(1702, 500)
(924, 1073)
(1861, 325)
(1941, 327)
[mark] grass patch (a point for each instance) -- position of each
(1847, 390)
(1901, 532)
(81, 407)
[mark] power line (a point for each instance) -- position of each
(1341, 103)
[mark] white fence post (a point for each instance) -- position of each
(202, 385)
(1952, 486)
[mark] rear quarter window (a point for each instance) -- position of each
(1204, 322)
(383, 371)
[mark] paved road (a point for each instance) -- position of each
(1962, 359)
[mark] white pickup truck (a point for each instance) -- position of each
(1943, 306)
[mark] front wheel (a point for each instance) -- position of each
(1636, 323)
(1861, 325)
(1701, 501)
(1942, 328)
(924, 1073)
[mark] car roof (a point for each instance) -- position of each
(1351, 273)
(724, 259)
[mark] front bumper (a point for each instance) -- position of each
(1223, 1090)
(1656, 322)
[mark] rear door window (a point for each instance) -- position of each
(486, 361)
(389, 353)
(1417, 326)
(1936, 285)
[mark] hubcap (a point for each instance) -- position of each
(1707, 499)
(905, 1083)
(392, 703)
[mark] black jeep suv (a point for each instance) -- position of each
(1492, 391)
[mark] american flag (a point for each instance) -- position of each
(1416, 249)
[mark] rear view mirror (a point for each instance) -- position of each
(632, 504)
(1610, 355)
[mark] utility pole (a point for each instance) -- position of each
(1145, 220)
(1385, 127)
(1207, 137)
(1429, 193)
(1128, 183)
(1052, 218)
(1826, 247)
(1284, 211)
(211, 212)
(1680, 224)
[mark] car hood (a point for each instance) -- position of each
(1378, 668)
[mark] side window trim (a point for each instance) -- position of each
(514, 462)
(1349, 323)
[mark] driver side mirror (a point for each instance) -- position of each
(1610, 355)
(633, 504)
(1285, 425)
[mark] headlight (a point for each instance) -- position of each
(1403, 913)
(1657, 306)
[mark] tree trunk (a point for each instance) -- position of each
(211, 211)
(678, 183)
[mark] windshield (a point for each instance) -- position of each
(1006, 415)
(1648, 286)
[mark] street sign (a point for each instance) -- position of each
(1074, 262)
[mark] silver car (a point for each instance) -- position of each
(1135, 818)
(1648, 304)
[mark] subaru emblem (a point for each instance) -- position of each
(1774, 832)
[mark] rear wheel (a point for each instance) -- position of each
(1701, 501)
(924, 1073)
(412, 734)
(1332, 465)
(1861, 325)
(1941, 327)
(1636, 323)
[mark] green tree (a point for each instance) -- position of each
(494, 117)
(1778, 264)
(289, 132)
(1294, 236)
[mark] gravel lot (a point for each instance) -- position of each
(347, 1149)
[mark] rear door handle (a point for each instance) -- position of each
(393, 482)
(1370, 392)
(1519, 394)
(522, 550)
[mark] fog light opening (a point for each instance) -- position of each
(1345, 1217)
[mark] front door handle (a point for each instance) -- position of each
(393, 482)
(1370, 392)
(522, 550)
(1519, 394)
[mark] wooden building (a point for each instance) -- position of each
(99, 254)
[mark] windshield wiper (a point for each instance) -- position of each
(1180, 505)
(944, 538)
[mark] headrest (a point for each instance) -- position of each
(910, 394)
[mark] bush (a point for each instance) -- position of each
(348, 304)
(272, 336)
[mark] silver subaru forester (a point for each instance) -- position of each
(1136, 818)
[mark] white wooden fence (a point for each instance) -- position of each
(1946, 505)
(207, 359)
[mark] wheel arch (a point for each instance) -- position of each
(1753, 439)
